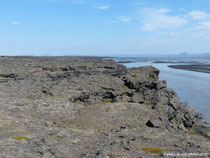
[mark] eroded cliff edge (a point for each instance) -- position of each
(89, 107)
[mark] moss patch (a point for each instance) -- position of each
(107, 100)
(20, 138)
(135, 76)
(147, 103)
(153, 150)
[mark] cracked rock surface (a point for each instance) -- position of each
(72, 107)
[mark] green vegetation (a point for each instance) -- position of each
(135, 76)
(63, 125)
(20, 138)
(147, 103)
(79, 102)
(107, 100)
(153, 150)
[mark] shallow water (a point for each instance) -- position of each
(192, 87)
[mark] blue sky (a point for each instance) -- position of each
(104, 27)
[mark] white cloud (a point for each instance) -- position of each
(172, 34)
(163, 10)
(199, 15)
(103, 7)
(159, 19)
(204, 25)
(124, 19)
(15, 23)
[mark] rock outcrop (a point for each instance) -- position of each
(88, 107)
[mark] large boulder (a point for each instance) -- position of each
(139, 76)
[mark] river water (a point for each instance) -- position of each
(191, 87)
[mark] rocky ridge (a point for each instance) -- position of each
(88, 107)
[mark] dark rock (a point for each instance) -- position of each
(56, 153)
(88, 103)
(8, 75)
(161, 84)
(154, 123)
(46, 91)
(139, 76)
(68, 68)
(80, 97)
(172, 114)
(150, 124)
(162, 100)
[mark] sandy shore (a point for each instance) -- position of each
(197, 68)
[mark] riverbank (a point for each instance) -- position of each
(198, 68)
(89, 107)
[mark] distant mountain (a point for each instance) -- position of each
(184, 54)
(193, 55)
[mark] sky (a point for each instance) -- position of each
(104, 27)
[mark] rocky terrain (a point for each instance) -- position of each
(91, 108)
